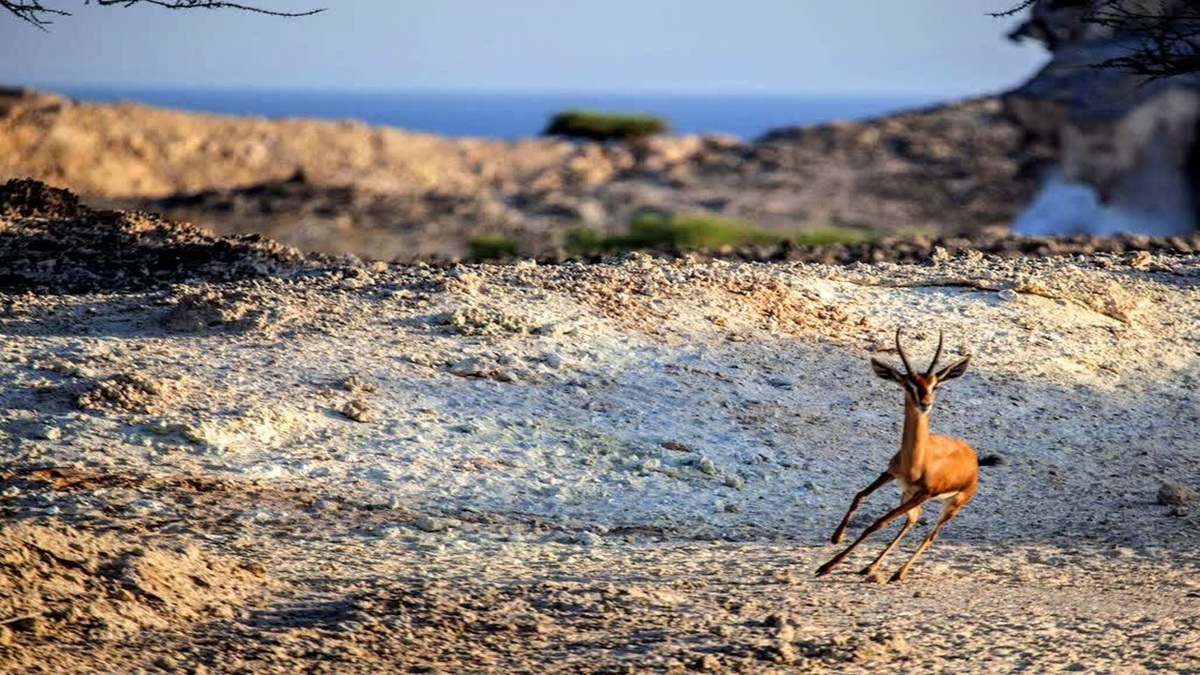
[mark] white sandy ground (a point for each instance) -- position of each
(635, 466)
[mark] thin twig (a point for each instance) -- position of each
(18, 618)
(38, 14)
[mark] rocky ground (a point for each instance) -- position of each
(283, 463)
(345, 187)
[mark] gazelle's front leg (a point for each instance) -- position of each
(888, 517)
(884, 479)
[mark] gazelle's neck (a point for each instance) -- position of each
(914, 441)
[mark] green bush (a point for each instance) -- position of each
(828, 234)
(653, 230)
(581, 240)
(600, 126)
(492, 247)
(697, 231)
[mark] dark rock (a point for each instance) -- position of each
(53, 244)
(1175, 495)
(25, 198)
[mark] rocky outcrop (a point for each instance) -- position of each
(1123, 148)
(386, 193)
(49, 243)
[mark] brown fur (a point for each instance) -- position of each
(927, 466)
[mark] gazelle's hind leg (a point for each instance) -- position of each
(913, 514)
(884, 479)
(951, 508)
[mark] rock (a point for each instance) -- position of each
(33, 625)
(25, 198)
(359, 410)
(587, 538)
(130, 392)
(427, 523)
(67, 249)
(1175, 495)
(1141, 260)
(357, 385)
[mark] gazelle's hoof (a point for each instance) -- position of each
(824, 569)
(836, 538)
(898, 576)
(866, 571)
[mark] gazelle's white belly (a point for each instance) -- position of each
(907, 488)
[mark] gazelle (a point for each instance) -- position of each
(926, 467)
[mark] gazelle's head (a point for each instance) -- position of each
(919, 387)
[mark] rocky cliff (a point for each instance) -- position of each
(390, 193)
(1124, 153)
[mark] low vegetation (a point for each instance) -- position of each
(696, 231)
(601, 126)
(491, 247)
(675, 232)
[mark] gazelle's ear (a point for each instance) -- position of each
(886, 372)
(951, 372)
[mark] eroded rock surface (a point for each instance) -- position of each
(626, 466)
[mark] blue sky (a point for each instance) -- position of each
(940, 47)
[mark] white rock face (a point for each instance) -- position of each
(1152, 201)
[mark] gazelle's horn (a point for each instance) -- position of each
(936, 355)
(903, 357)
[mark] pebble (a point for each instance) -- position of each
(1175, 495)
(359, 410)
(29, 624)
(587, 539)
(1007, 295)
(428, 523)
(144, 506)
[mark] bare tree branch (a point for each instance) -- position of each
(1013, 11)
(39, 14)
(1162, 38)
(32, 12)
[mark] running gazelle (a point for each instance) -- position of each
(927, 466)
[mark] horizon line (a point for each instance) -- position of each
(521, 91)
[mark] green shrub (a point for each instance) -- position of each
(828, 234)
(653, 230)
(600, 126)
(492, 247)
(697, 231)
(580, 239)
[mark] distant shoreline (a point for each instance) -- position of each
(509, 115)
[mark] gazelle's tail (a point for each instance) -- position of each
(991, 460)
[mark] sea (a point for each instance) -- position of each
(512, 115)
